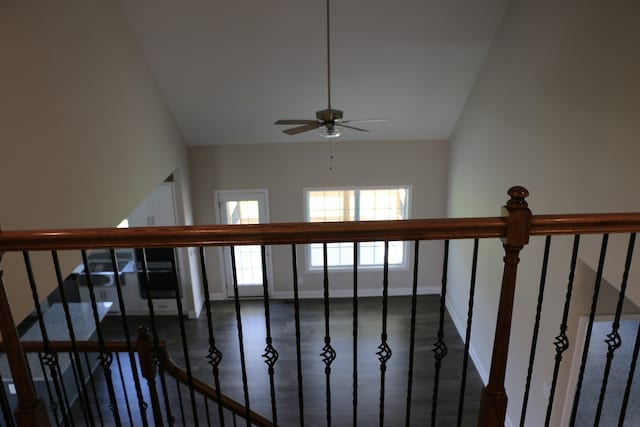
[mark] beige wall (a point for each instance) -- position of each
(286, 169)
(556, 108)
(84, 130)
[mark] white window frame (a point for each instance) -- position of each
(357, 189)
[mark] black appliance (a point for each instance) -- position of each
(161, 280)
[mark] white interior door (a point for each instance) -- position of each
(244, 207)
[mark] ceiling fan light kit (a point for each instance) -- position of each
(327, 119)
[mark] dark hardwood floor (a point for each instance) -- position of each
(312, 333)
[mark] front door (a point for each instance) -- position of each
(244, 207)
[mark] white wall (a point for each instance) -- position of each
(286, 169)
(84, 130)
(556, 108)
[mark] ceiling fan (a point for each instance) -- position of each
(328, 120)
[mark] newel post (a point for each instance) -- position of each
(31, 411)
(148, 369)
(493, 402)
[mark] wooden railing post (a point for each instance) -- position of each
(148, 369)
(31, 411)
(493, 402)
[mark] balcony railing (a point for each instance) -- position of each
(209, 402)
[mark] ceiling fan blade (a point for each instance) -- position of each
(351, 127)
(295, 122)
(364, 120)
(300, 129)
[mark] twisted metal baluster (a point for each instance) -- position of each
(440, 348)
(84, 399)
(384, 351)
(185, 347)
(355, 334)
(296, 307)
(536, 329)
(412, 335)
(93, 388)
(158, 356)
(4, 405)
(632, 370)
(48, 386)
(105, 357)
(613, 339)
(270, 354)
(561, 341)
(51, 359)
(592, 314)
(328, 353)
(182, 417)
(124, 388)
(142, 405)
(467, 339)
(214, 356)
(236, 298)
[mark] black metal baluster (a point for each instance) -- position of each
(157, 355)
(50, 358)
(206, 410)
(561, 341)
(84, 398)
(355, 334)
(412, 334)
(66, 403)
(270, 354)
(632, 371)
(185, 348)
(296, 308)
(104, 357)
(125, 327)
(384, 351)
(182, 416)
(124, 388)
(440, 348)
(76, 380)
(7, 414)
(93, 388)
(328, 353)
(214, 357)
(48, 386)
(536, 329)
(467, 339)
(592, 314)
(613, 339)
(236, 297)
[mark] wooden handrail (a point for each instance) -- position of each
(211, 393)
(169, 367)
(301, 233)
(253, 234)
(542, 225)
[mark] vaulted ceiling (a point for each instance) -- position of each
(229, 68)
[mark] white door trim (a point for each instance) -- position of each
(239, 194)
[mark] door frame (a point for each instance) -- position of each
(226, 280)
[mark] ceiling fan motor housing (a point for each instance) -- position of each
(329, 115)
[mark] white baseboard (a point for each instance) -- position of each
(461, 327)
(348, 293)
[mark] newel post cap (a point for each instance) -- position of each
(518, 195)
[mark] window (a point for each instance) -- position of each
(357, 204)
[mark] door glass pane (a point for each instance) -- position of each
(248, 258)
(243, 212)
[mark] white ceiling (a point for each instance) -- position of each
(229, 68)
